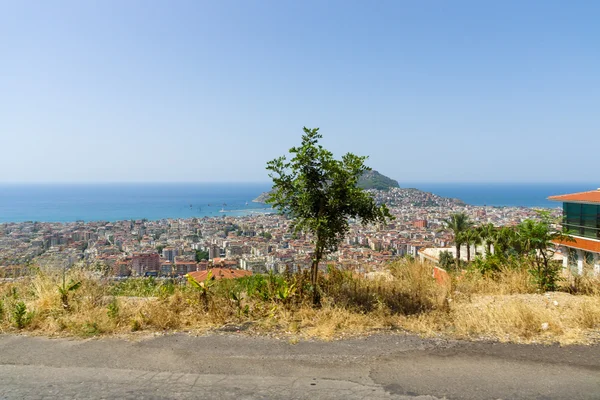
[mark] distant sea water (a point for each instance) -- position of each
(504, 194)
(113, 202)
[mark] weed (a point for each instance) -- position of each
(64, 291)
(499, 304)
(203, 287)
(90, 329)
(113, 309)
(135, 325)
(20, 315)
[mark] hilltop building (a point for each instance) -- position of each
(581, 218)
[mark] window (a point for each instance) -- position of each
(582, 219)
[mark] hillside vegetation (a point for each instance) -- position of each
(374, 180)
(505, 306)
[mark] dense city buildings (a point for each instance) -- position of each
(259, 242)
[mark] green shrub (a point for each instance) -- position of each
(90, 329)
(113, 309)
(137, 287)
(20, 315)
(447, 261)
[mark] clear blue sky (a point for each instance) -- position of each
(432, 91)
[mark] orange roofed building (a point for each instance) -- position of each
(581, 219)
(219, 273)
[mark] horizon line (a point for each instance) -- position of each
(401, 183)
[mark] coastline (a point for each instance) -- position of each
(116, 202)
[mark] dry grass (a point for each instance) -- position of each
(526, 318)
(505, 282)
(502, 307)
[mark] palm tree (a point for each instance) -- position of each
(457, 223)
(535, 239)
(471, 237)
(505, 241)
(488, 235)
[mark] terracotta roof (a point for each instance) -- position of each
(593, 196)
(580, 243)
(220, 273)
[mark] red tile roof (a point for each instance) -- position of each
(220, 273)
(593, 196)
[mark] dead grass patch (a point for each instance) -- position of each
(471, 306)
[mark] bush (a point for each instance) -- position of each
(446, 260)
(546, 277)
(113, 309)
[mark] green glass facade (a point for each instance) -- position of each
(582, 219)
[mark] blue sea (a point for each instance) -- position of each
(124, 201)
(113, 202)
(504, 194)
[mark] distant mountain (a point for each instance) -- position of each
(369, 180)
(374, 180)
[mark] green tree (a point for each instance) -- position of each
(535, 239)
(201, 255)
(457, 223)
(446, 260)
(266, 235)
(487, 233)
(505, 242)
(470, 237)
(320, 194)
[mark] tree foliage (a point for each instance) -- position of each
(446, 260)
(201, 255)
(320, 194)
(458, 223)
(528, 244)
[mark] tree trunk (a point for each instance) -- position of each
(489, 249)
(468, 252)
(457, 256)
(314, 275)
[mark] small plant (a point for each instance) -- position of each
(113, 309)
(20, 315)
(167, 288)
(1, 310)
(135, 325)
(236, 297)
(286, 292)
(202, 287)
(67, 288)
(90, 329)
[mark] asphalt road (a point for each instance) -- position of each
(240, 367)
